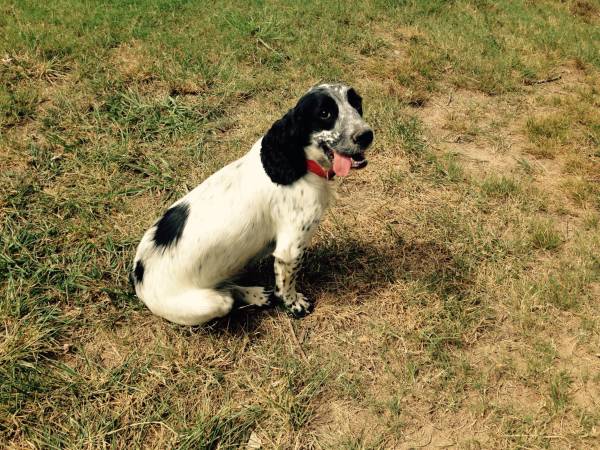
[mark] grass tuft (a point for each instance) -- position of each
(224, 429)
(500, 187)
(18, 106)
(560, 390)
(544, 236)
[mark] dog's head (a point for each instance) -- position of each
(338, 133)
(327, 126)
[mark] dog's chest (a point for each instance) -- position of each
(302, 203)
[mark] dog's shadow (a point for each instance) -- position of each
(353, 269)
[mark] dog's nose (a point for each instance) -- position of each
(363, 138)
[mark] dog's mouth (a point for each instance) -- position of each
(342, 162)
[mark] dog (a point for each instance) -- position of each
(269, 201)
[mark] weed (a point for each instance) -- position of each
(500, 187)
(559, 389)
(225, 429)
(544, 236)
(18, 106)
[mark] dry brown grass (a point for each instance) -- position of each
(456, 278)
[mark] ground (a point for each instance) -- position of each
(456, 280)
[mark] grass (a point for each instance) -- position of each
(544, 236)
(559, 389)
(456, 279)
(500, 187)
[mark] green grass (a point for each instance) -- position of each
(559, 389)
(456, 278)
(547, 128)
(544, 236)
(19, 106)
(500, 187)
(226, 429)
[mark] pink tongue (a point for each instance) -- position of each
(341, 164)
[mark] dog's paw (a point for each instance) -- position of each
(257, 296)
(300, 307)
(262, 298)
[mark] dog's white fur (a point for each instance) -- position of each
(237, 213)
(235, 216)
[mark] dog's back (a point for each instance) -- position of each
(210, 234)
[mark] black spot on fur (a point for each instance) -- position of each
(170, 226)
(282, 149)
(137, 276)
(355, 100)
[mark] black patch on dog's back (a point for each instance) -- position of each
(137, 276)
(170, 226)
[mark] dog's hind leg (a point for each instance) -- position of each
(255, 295)
(194, 306)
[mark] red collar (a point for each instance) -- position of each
(315, 168)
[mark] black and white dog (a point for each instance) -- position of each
(270, 200)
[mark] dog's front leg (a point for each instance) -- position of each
(288, 258)
(285, 287)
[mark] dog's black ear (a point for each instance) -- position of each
(282, 151)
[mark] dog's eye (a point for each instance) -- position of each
(324, 114)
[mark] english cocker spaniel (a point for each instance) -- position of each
(269, 201)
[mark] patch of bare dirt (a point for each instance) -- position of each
(585, 9)
(342, 421)
(488, 133)
(131, 61)
(134, 64)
